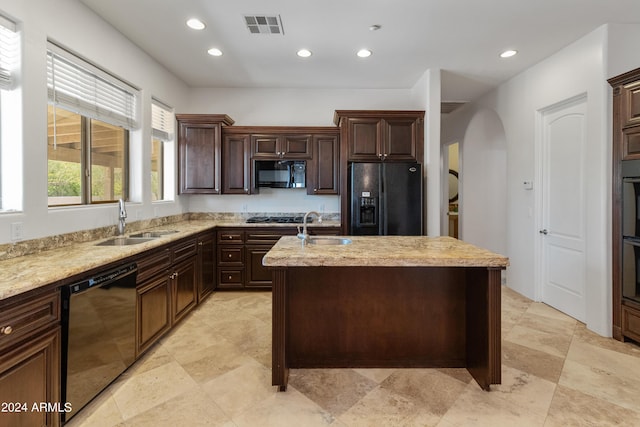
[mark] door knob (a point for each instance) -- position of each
(544, 231)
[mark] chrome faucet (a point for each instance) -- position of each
(122, 217)
(304, 235)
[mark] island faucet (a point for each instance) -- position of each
(122, 217)
(304, 235)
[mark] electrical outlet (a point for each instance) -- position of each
(17, 231)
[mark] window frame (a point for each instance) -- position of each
(162, 130)
(78, 86)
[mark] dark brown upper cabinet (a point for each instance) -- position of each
(278, 146)
(373, 135)
(199, 152)
(236, 164)
(323, 173)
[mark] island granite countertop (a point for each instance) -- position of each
(383, 251)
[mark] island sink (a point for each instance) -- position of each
(328, 241)
(153, 234)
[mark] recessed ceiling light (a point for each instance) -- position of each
(195, 24)
(508, 53)
(214, 51)
(304, 53)
(364, 53)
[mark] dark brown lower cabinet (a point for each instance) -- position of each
(240, 253)
(154, 311)
(206, 264)
(258, 276)
(184, 285)
(168, 281)
(30, 362)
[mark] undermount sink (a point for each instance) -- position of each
(153, 234)
(328, 241)
(124, 241)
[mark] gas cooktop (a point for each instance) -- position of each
(277, 219)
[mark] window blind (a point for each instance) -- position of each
(78, 86)
(8, 53)
(162, 121)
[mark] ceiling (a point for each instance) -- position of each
(461, 37)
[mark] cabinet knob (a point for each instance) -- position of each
(230, 237)
(229, 277)
(6, 330)
(315, 190)
(230, 255)
(200, 243)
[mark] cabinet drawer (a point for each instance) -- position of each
(229, 278)
(631, 323)
(230, 255)
(149, 265)
(19, 319)
(184, 250)
(231, 236)
(268, 237)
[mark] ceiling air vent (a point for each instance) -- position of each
(263, 24)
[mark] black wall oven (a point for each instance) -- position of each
(631, 230)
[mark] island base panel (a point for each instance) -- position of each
(365, 317)
(336, 317)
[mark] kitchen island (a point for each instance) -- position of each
(386, 302)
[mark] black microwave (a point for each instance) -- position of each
(280, 173)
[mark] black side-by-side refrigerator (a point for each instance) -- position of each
(385, 199)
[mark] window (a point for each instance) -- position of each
(10, 154)
(162, 119)
(89, 117)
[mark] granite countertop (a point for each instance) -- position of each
(25, 273)
(383, 251)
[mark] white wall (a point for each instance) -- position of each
(71, 24)
(577, 69)
(428, 94)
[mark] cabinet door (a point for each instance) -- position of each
(364, 139)
(323, 170)
(265, 146)
(632, 103)
(236, 166)
(400, 139)
(30, 374)
(296, 146)
(631, 143)
(185, 279)
(258, 276)
(199, 157)
(207, 263)
(153, 311)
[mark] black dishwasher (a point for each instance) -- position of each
(98, 338)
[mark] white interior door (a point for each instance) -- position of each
(562, 232)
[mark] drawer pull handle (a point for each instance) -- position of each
(230, 237)
(229, 277)
(6, 330)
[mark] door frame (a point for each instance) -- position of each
(444, 191)
(538, 185)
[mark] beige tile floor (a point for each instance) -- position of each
(214, 370)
